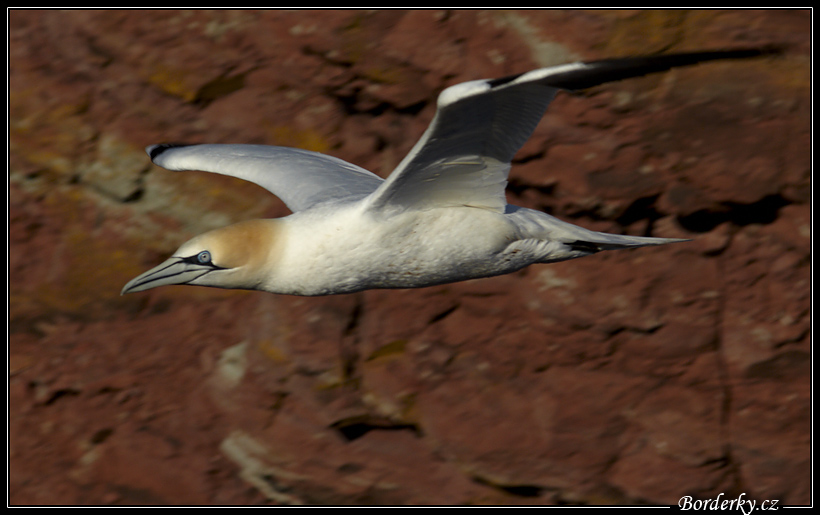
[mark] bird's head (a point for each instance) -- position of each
(236, 257)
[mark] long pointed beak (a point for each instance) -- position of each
(173, 271)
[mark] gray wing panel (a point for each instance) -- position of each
(300, 178)
(464, 156)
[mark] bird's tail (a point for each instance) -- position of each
(567, 241)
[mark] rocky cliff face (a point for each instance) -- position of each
(631, 377)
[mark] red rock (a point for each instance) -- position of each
(635, 377)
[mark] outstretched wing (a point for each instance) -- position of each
(300, 178)
(464, 156)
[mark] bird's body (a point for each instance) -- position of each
(440, 217)
(347, 250)
(350, 250)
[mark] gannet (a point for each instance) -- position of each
(441, 216)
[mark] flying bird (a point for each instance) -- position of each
(441, 216)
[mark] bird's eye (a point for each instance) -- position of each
(204, 257)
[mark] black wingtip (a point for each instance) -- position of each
(154, 151)
(608, 70)
(584, 246)
(494, 83)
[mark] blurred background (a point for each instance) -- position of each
(632, 377)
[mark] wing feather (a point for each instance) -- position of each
(462, 159)
(301, 178)
(464, 156)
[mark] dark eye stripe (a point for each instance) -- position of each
(202, 259)
(191, 259)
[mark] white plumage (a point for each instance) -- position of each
(441, 216)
